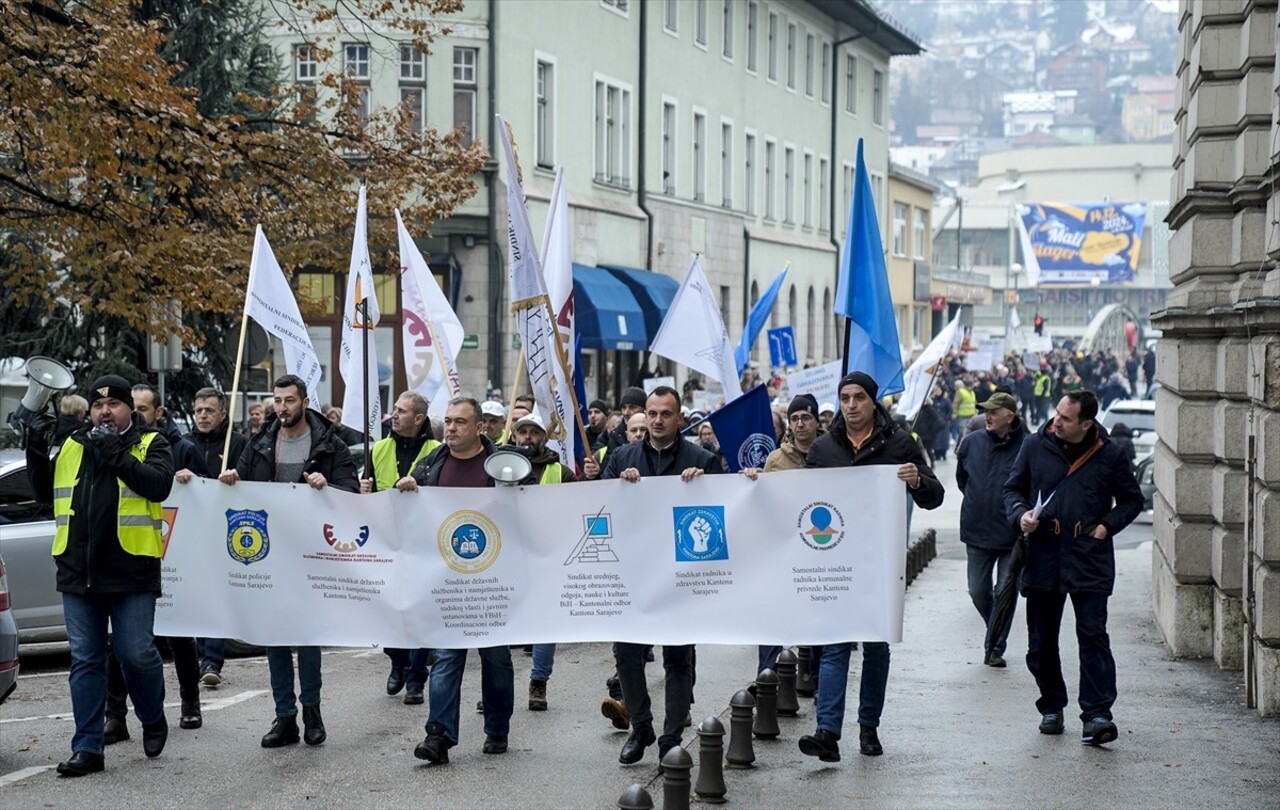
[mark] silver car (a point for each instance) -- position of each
(26, 540)
(8, 640)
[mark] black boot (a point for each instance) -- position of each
(314, 725)
(154, 736)
(821, 744)
(191, 717)
(81, 763)
(284, 731)
(114, 730)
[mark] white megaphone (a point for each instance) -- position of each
(46, 377)
(508, 467)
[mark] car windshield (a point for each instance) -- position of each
(1135, 420)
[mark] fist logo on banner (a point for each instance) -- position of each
(247, 540)
(700, 534)
(821, 526)
(469, 541)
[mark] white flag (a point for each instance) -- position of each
(431, 330)
(693, 333)
(545, 358)
(917, 380)
(360, 369)
(270, 302)
(557, 265)
(1015, 323)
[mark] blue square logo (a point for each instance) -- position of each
(699, 533)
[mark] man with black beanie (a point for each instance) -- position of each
(597, 417)
(862, 433)
(632, 402)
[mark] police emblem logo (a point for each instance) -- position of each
(821, 526)
(755, 450)
(469, 541)
(103, 391)
(700, 534)
(247, 540)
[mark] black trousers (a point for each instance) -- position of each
(186, 662)
(679, 664)
(1097, 666)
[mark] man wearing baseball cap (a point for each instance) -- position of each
(863, 433)
(493, 421)
(983, 462)
(106, 487)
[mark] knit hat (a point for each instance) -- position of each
(634, 396)
(860, 378)
(111, 385)
(803, 402)
(598, 405)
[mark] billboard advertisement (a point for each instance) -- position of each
(1081, 243)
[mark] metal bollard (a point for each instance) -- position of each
(804, 678)
(676, 766)
(788, 703)
(911, 568)
(741, 754)
(766, 725)
(635, 798)
(710, 786)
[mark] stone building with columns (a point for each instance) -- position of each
(1216, 562)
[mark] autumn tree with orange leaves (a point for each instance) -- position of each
(142, 140)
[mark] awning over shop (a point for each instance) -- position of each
(606, 313)
(653, 291)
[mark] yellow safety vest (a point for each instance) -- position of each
(968, 405)
(552, 474)
(138, 520)
(385, 471)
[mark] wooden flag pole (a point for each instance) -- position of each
(521, 371)
(235, 384)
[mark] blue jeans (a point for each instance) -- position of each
(132, 617)
(1097, 666)
(497, 690)
(280, 663)
(213, 653)
(834, 682)
(544, 659)
(415, 664)
(982, 561)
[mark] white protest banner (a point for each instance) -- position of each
(821, 381)
(1039, 343)
(918, 380)
(651, 383)
(809, 557)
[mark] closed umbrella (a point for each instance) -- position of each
(1007, 597)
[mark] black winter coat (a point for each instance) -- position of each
(888, 444)
(427, 471)
(1061, 556)
(328, 456)
(673, 460)
(185, 454)
(94, 562)
(983, 462)
(210, 446)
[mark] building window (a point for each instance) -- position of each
(619, 6)
(413, 100)
(809, 44)
(700, 22)
(807, 188)
(357, 62)
(363, 102)
(847, 190)
(464, 92)
(770, 170)
(727, 29)
(772, 52)
(877, 97)
(668, 148)
(671, 15)
(824, 199)
(877, 191)
(306, 65)
(753, 24)
(613, 134)
(920, 230)
(413, 73)
(749, 164)
(811, 331)
(851, 84)
(899, 229)
(413, 64)
(544, 112)
(726, 164)
(828, 343)
(789, 185)
(699, 156)
(791, 56)
(825, 81)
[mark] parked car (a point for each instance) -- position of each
(1139, 415)
(1145, 472)
(26, 537)
(8, 640)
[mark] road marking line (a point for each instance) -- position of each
(368, 654)
(18, 776)
(205, 706)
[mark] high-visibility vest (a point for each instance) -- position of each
(385, 470)
(1044, 386)
(968, 404)
(552, 474)
(138, 520)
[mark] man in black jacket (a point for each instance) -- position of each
(983, 461)
(862, 434)
(632, 402)
(295, 446)
(106, 487)
(460, 463)
(209, 407)
(1088, 494)
(663, 453)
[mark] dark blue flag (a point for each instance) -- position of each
(744, 429)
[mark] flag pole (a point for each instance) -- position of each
(235, 385)
(573, 393)
(364, 331)
(848, 333)
(521, 371)
(933, 380)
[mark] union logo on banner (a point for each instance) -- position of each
(247, 540)
(166, 528)
(469, 541)
(821, 526)
(346, 546)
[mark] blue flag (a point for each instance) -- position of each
(744, 429)
(862, 293)
(579, 391)
(755, 321)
